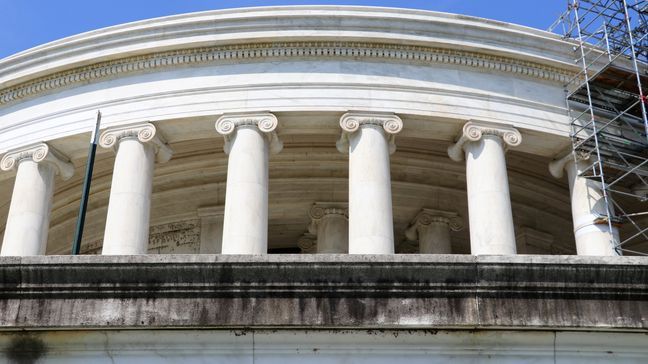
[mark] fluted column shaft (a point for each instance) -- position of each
(249, 139)
(129, 206)
(489, 204)
(432, 230)
(592, 234)
(369, 140)
(31, 202)
(330, 224)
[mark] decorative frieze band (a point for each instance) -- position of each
(352, 121)
(265, 122)
(474, 130)
(39, 152)
(144, 132)
(429, 216)
(249, 52)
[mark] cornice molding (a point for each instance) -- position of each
(144, 132)
(352, 121)
(426, 217)
(39, 152)
(474, 130)
(267, 124)
(257, 51)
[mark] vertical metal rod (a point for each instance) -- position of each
(607, 42)
(78, 235)
(642, 97)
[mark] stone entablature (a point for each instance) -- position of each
(283, 51)
(343, 23)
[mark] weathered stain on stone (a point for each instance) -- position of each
(319, 291)
(241, 332)
(25, 349)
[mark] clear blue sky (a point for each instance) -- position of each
(28, 23)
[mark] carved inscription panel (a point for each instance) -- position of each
(181, 237)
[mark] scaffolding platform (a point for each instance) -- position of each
(607, 105)
(614, 88)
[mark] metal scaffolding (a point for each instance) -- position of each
(607, 108)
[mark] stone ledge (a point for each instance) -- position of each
(324, 291)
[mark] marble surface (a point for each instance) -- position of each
(323, 346)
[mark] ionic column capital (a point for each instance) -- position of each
(426, 217)
(39, 152)
(557, 166)
(144, 132)
(474, 130)
(352, 121)
(266, 123)
(307, 243)
(320, 210)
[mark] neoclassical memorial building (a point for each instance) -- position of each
(307, 183)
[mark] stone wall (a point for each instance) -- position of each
(322, 291)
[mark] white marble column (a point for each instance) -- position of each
(249, 139)
(591, 230)
(329, 222)
(31, 201)
(432, 230)
(369, 140)
(489, 204)
(127, 222)
(211, 229)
